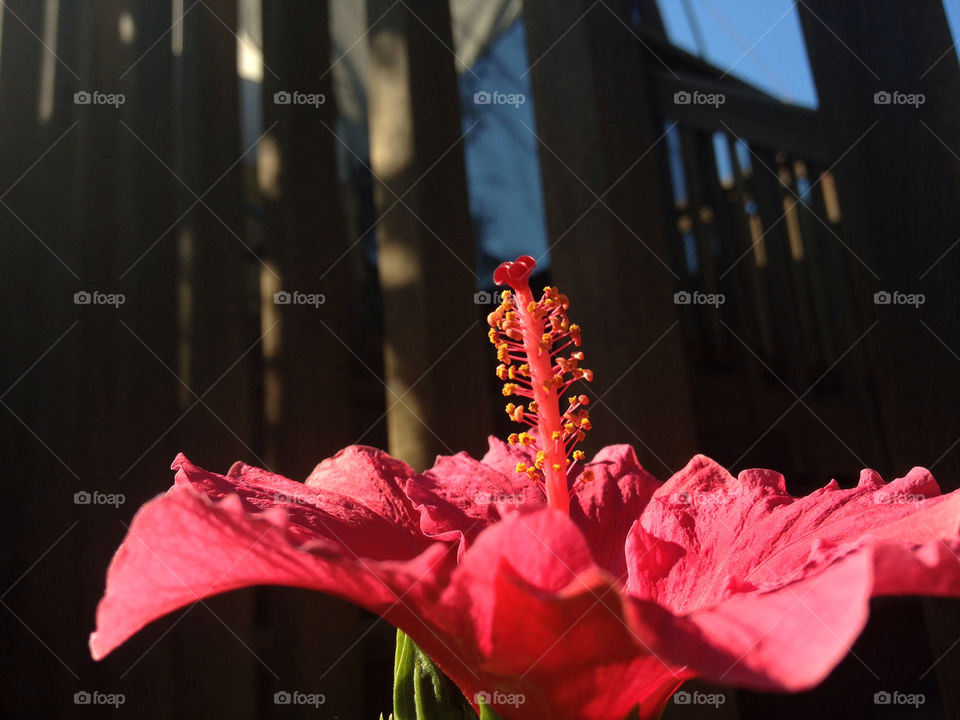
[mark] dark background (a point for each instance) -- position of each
(160, 199)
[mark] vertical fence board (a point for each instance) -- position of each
(219, 332)
(313, 368)
(610, 255)
(436, 356)
(34, 429)
(899, 189)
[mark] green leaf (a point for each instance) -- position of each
(421, 691)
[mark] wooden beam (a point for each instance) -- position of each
(758, 118)
(312, 369)
(436, 356)
(899, 184)
(219, 319)
(605, 210)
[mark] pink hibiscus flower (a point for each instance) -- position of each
(549, 586)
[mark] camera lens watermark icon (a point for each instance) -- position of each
(488, 498)
(283, 697)
(83, 497)
(685, 697)
(499, 699)
(295, 97)
(896, 697)
(684, 297)
(495, 97)
(884, 297)
(896, 97)
(85, 697)
(686, 97)
(485, 297)
(84, 297)
(86, 97)
(295, 297)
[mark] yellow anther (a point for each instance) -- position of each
(578, 455)
(502, 371)
(512, 438)
(556, 435)
(509, 389)
(521, 467)
(556, 467)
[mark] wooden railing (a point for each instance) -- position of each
(160, 200)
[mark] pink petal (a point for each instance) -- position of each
(210, 534)
(540, 618)
(607, 507)
(749, 530)
(459, 496)
(504, 457)
(773, 589)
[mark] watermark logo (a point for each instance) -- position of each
(684, 297)
(499, 698)
(485, 498)
(899, 698)
(702, 499)
(486, 297)
(95, 697)
(95, 297)
(685, 97)
(295, 97)
(285, 297)
(895, 97)
(86, 97)
(684, 697)
(495, 97)
(896, 297)
(886, 497)
(290, 499)
(83, 497)
(283, 697)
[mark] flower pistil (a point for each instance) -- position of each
(537, 347)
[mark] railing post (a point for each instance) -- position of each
(437, 359)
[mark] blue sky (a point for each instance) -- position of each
(761, 39)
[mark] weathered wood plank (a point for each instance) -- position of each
(435, 354)
(606, 210)
(312, 368)
(767, 122)
(899, 186)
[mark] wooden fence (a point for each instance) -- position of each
(159, 198)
